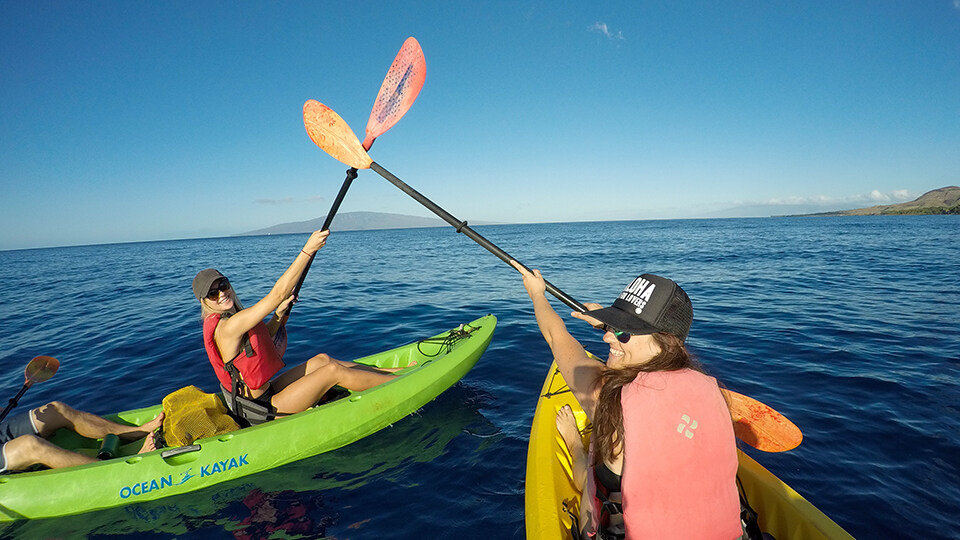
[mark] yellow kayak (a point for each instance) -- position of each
(783, 512)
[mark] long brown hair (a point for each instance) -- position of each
(608, 415)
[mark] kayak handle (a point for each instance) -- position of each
(179, 450)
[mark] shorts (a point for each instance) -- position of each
(17, 426)
(252, 410)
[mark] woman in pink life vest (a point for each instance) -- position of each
(244, 355)
(662, 461)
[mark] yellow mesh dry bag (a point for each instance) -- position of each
(190, 414)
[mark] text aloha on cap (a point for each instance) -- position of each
(649, 304)
(204, 280)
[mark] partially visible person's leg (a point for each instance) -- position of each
(55, 415)
(28, 450)
(296, 395)
(567, 426)
(317, 362)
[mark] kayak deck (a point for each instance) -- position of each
(782, 512)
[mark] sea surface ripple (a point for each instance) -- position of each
(849, 326)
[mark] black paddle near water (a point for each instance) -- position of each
(399, 90)
(38, 370)
(756, 423)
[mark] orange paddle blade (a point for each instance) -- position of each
(760, 426)
(399, 90)
(328, 131)
(40, 369)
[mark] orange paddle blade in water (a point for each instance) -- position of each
(760, 426)
(399, 90)
(328, 131)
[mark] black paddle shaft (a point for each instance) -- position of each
(13, 402)
(351, 174)
(461, 227)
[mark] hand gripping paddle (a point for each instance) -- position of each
(39, 369)
(399, 90)
(754, 423)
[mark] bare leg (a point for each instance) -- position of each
(296, 395)
(323, 359)
(28, 450)
(317, 362)
(567, 426)
(55, 415)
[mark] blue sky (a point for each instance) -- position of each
(130, 121)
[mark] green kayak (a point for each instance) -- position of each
(441, 361)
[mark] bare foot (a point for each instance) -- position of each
(153, 424)
(567, 426)
(143, 430)
(149, 443)
(396, 369)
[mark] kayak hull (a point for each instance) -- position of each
(132, 478)
(783, 512)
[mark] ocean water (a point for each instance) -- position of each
(849, 326)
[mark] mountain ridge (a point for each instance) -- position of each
(354, 221)
(945, 200)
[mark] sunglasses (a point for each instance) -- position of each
(221, 285)
(622, 337)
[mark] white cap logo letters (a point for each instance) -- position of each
(638, 293)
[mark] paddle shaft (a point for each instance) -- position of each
(351, 174)
(13, 402)
(782, 434)
(461, 227)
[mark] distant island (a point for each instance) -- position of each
(355, 221)
(945, 200)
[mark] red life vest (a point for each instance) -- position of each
(679, 460)
(256, 369)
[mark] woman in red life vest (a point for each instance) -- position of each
(239, 342)
(662, 461)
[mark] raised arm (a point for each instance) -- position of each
(581, 372)
(231, 330)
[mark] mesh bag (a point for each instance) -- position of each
(191, 414)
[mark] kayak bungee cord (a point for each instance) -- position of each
(448, 340)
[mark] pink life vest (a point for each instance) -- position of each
(680, 460)
(257, 369)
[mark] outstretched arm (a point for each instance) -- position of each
(580, 371)
(230, 330)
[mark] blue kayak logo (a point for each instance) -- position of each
(210, 469)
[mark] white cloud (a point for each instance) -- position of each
(285, 200)
(601, 27)
(956, 4)
(874, 197)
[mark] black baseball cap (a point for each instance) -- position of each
(649, 304)
(204, 280)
